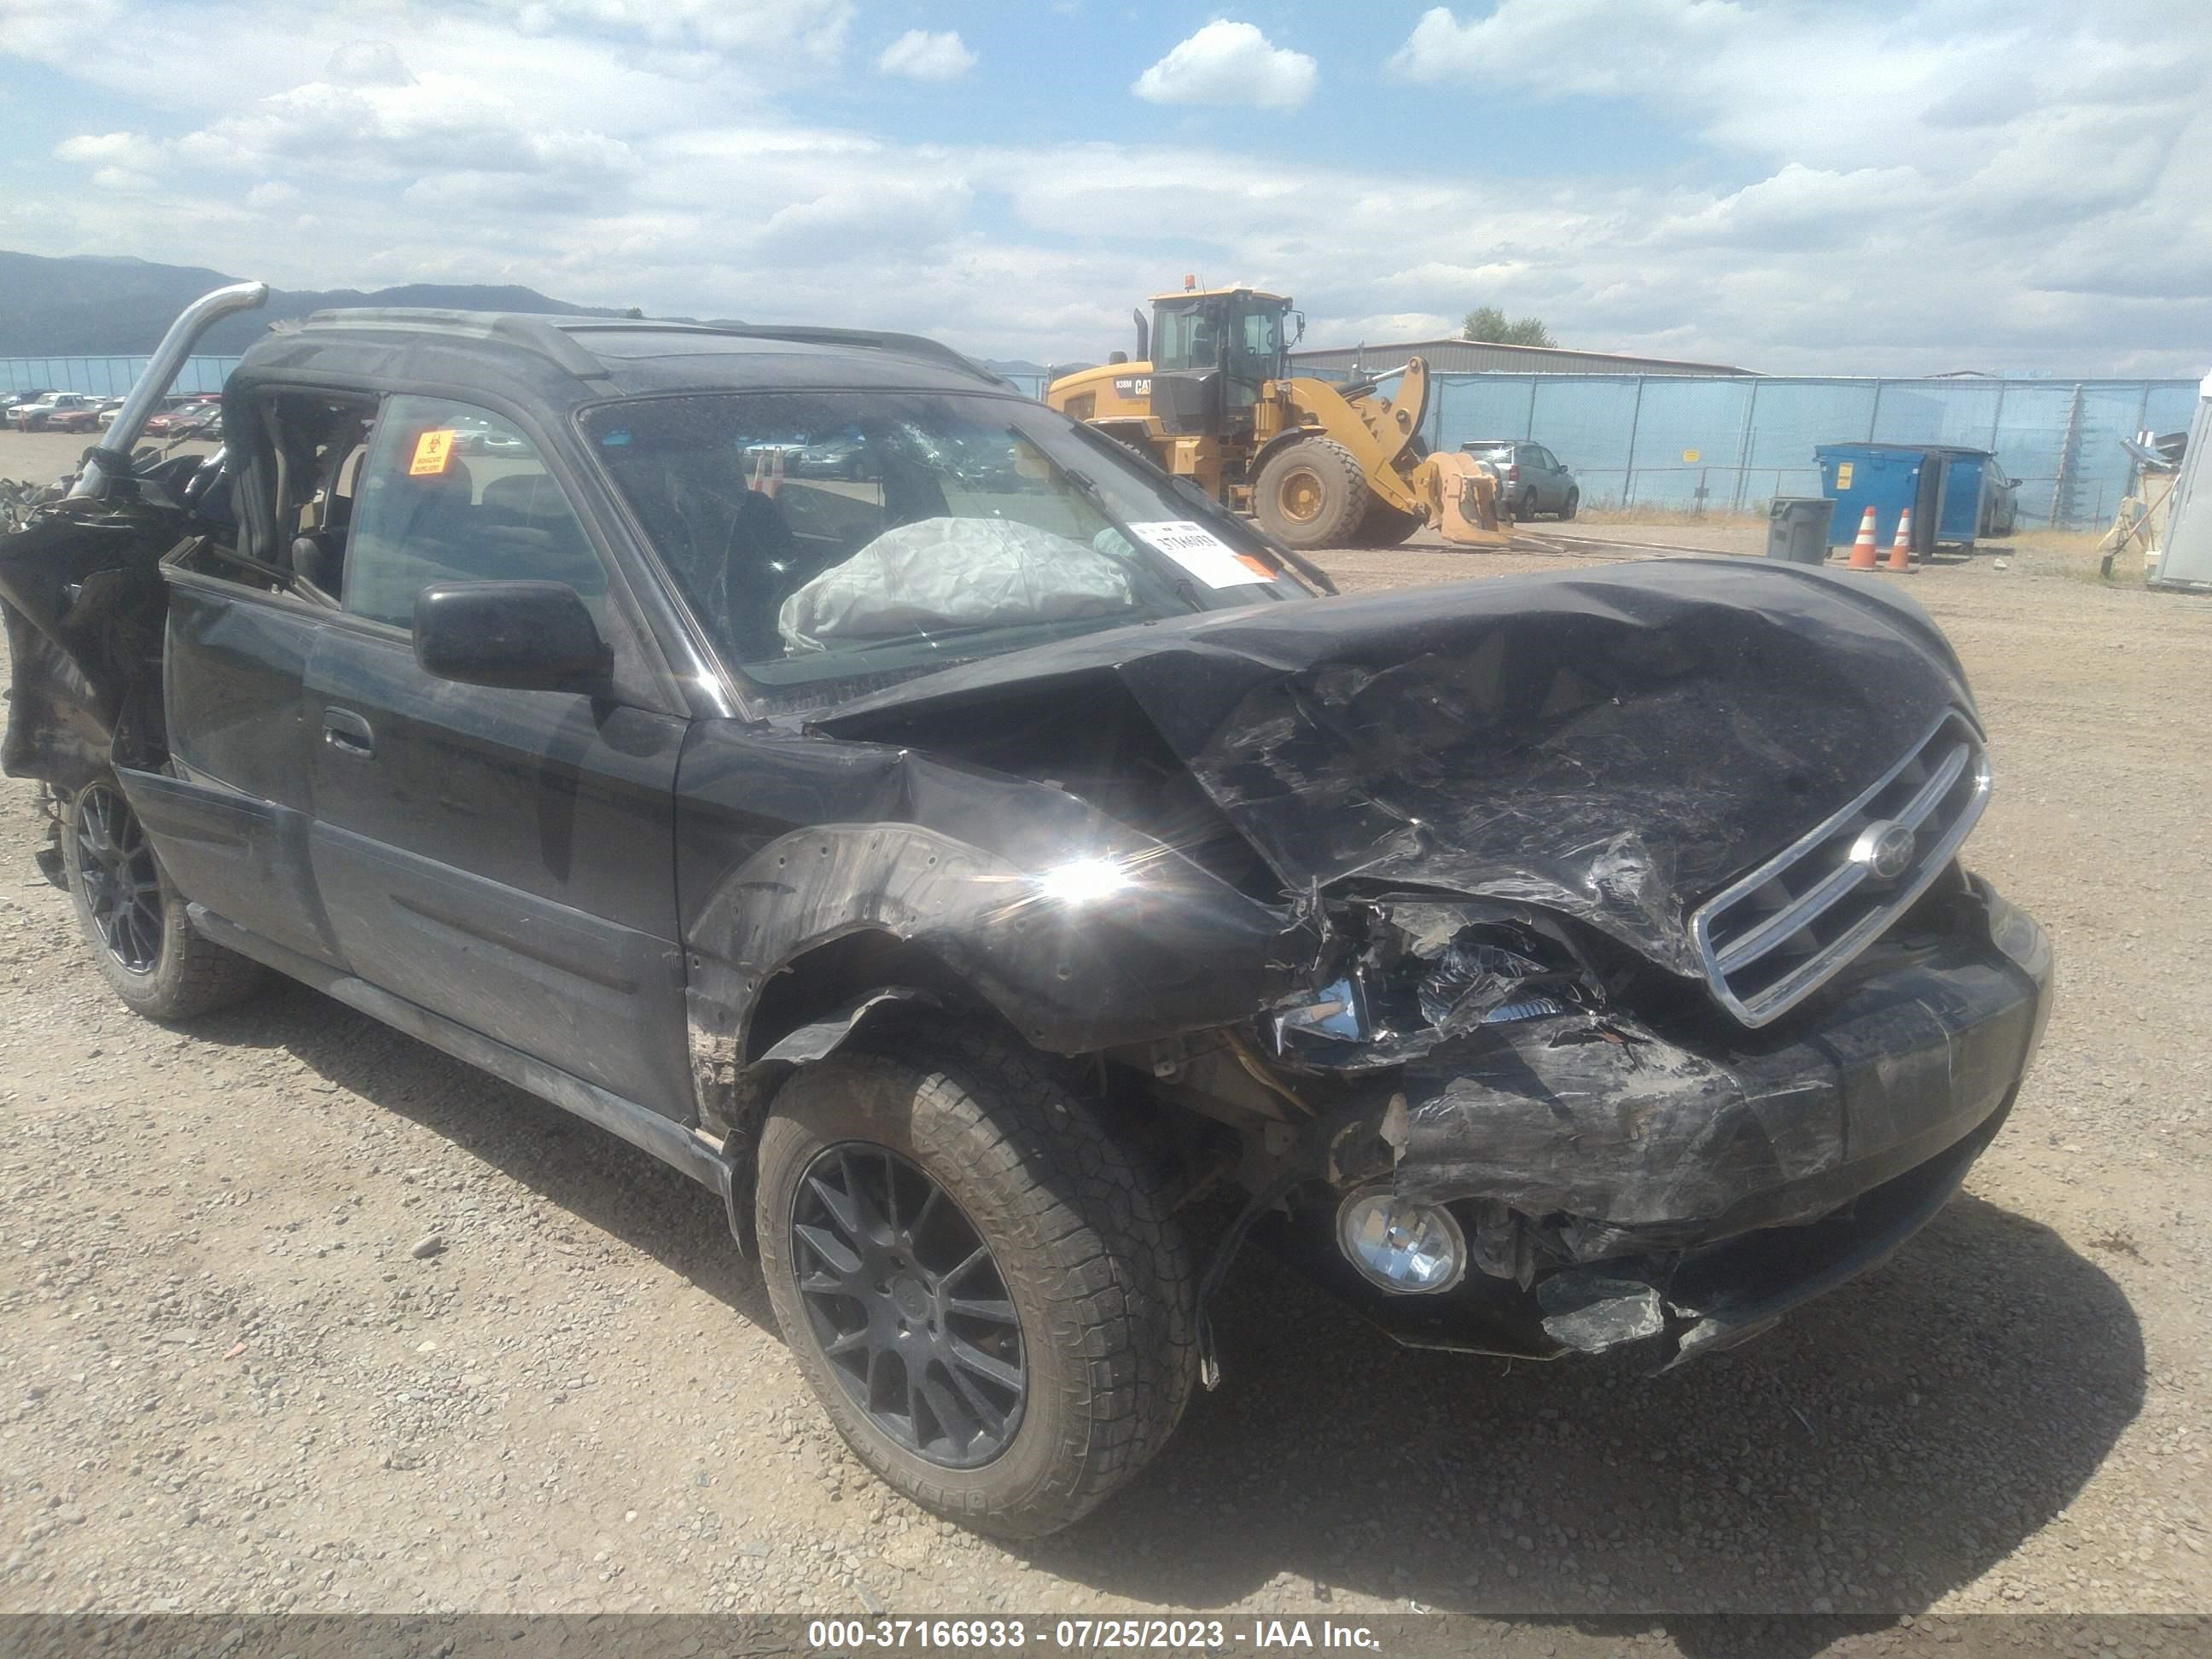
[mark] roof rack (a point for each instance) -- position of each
(532, 333)
(552, 337)
(912, 345)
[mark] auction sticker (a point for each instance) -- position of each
(1202, 553)
(431, 451)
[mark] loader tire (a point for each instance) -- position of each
(1385, 525)
(1311, 493)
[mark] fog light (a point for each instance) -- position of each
(1401, 1245)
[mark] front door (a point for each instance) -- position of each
(228, 815)
(503, 857)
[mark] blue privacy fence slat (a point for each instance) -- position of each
(108, 377)
(1735, 442)
(1721, 442)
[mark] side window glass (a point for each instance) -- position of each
(450, 492)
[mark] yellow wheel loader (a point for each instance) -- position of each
(1209, 396)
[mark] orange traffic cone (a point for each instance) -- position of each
(1864, 554)
(1900, 549)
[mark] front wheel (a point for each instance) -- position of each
(1311, 493)
(134, 919)
(977, 1280)
(1574, 500)
(1385, 525)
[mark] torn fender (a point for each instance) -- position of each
(1612, 744)
(786, 843)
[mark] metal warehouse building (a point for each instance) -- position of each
(1457, 356)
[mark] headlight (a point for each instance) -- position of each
(1337, 1010)
(1409, 1247)
(1082, 882)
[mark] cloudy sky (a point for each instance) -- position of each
(1823, 186)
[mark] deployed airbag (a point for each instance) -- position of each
(948, 573)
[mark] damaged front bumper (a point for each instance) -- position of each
(1614, 1185)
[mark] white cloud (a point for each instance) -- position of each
(123, 149)
(1229, 64)
(813, 29)
(1887, 214)
(920, 55)
(437, 124)
(368, 63)
(121, 181)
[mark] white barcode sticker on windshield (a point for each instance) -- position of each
(1204, 554)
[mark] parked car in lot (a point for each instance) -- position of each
(840, 455)
(1534, 479)
(83, 416)
(475, 436)
(959, 881)
(1999, 514)
(191, 416)
(57, 411)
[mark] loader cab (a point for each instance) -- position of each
(1214, 351)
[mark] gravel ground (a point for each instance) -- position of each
(233, 1374)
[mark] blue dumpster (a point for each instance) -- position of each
(1940, 483)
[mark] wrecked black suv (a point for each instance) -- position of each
(981, 861)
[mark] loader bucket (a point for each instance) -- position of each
(1460, 498)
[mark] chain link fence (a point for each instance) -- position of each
(107, 377)
(1719, 445)
(1732, 444)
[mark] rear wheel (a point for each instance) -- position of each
(1311, 493)
(1383, 524)
(977, 1280)
(134, 919)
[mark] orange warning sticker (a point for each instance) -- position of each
(431, 451)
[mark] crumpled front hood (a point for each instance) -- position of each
(1614, 743)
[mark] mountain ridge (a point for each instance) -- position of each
(113, 305)
(116, 304)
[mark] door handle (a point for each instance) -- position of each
(349, 733)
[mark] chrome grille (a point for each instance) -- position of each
(1772, 939)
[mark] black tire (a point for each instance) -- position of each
(1311, 493)
(1574, 500)
(142, 938)
(1383, 524)
(1096, 1273)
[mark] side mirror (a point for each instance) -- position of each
(531, 636)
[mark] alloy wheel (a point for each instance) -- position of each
(122, 889)
(908, 1305)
